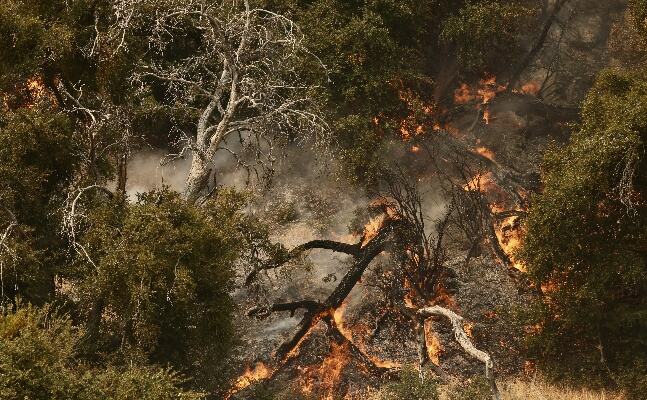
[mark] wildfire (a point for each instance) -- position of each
(372, 228)
(356, 335)
(510, 235)
(508, 231)
(434, 347)
(420, 114)
(463, 94)
(487, 90)
(481, 182)
(486, 116)
(252, 374)
(36, 91)
(548, 287)
(333, 366)
(36, 87)
(530, 88)
(409, 296)
(26, 94)
(468, 327)
(485, 152)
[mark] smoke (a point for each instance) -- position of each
(152, 169)
(145, 173)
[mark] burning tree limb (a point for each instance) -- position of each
(368, 252)
(286, 256)
(462, 339)
(419, 277)
(363, 253)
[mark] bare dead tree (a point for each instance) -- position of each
(418, 244)
(106, 128)
(241, 82)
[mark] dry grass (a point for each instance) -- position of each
(539, 390)
(519, 389)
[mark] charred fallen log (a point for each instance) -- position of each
(315, 311)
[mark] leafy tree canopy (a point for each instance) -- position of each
(162, 269)
(38, 361)
(587, 232)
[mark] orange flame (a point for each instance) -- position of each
(356, 337)
(372, 228)
(530, 88)
(508, 231)
(327, 375)
(36, 89)
(510, 236)
(485, 152)
(251, 375)
(434, 347)
(487, 90)
(463, 94)
(486, 116)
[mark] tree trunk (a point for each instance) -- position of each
(462, 339)
(198, 178)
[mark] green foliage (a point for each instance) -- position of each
(383, 57)
(639, 10)
(409, 386)
(372, 50)
(37, 159)
(37, 361)
(28, 41)
(473, 389)
(485, 34)
(161, 274)
(586, 236)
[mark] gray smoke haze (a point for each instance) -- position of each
(145, 173)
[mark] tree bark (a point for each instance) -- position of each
(462, 339)
(198, 179)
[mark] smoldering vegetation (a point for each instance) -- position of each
(367, 234)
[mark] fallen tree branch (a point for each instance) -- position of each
(340, 247)
(367, 253)
(462, 339)
(262, 312)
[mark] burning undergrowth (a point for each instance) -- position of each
(441, 231)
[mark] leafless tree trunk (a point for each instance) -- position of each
(242, 81)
